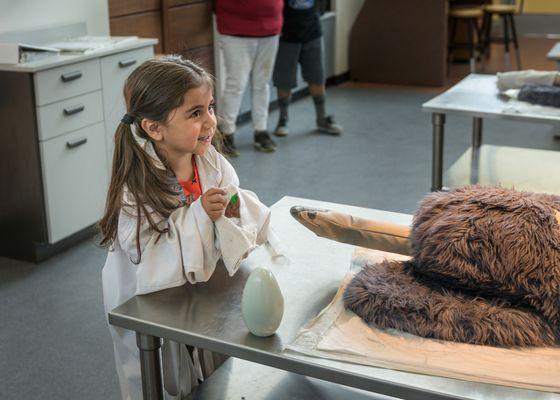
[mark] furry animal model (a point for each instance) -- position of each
(485, 269)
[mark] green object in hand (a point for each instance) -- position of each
(233, 199)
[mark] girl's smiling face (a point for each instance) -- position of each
(190, 127)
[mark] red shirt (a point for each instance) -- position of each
(254, 18)
(191, 187)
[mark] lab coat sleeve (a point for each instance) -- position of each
(200, 254)
(184, 252)
(237, 237)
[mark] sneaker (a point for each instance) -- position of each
(282, 128)
(263, 142)
(328, 125)
(229, 148)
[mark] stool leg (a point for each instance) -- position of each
(479, 38)
(487, 35)
(450, 45)
(506, 42)
(452, 31)
(472, 61)
(515, 42)
(482, 37)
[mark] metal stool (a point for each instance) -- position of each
(506, 12)
(470, 16)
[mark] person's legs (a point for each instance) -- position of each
(284, 97)
(238, 56)
(317, 92)
(311, 60)
(285, 79)
(261, 74)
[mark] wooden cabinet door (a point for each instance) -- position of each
(146, 24)
(203, 56)
(119, 8)
(187, 26)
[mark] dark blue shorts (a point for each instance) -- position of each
(309, 55)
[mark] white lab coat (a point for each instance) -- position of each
(188, 252)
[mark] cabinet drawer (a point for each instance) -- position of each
(74, 179)
(67, 81)
(69, 115)
(114, 71)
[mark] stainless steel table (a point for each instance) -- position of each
(478, 97)
(208, 315)
(239, 379)
(554, 54)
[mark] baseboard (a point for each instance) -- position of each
(338, 79)
(47, 250)
(20, 249)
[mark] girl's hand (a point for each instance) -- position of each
(232, 209)
(214, 203)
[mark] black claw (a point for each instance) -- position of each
(295, 210)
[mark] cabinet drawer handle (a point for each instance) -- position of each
(74, 110)
(70, 76)
(75, 143)
(127, 63)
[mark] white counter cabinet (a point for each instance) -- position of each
(60, 116)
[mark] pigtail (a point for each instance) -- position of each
(148, 185)
(122, 160)
(218, 141)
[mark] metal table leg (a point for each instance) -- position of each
(475, 165)
(438, 123)
(150, 366)
(476, 132)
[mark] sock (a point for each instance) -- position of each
(319, 102)
(283, 103)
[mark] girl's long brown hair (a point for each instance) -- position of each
(152, 91)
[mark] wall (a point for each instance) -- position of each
(542, 6)
(346, 13)
(32, 14)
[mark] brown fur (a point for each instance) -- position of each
(387, 295)
(485, 270)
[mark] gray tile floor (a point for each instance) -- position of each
(54, 343)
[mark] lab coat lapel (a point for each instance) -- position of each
(208, 172)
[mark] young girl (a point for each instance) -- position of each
(166, 220)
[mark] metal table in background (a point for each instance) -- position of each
(476, 96)
(554, 55)
(208, 315)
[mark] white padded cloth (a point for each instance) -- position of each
(341, 335)
(516, 79)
